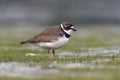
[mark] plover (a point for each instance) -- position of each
(53, 37)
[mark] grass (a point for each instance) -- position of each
(101, 41)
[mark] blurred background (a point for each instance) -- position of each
(51, 12)
(93, 53)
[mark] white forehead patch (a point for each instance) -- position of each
(72, 26)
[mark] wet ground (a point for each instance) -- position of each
(37, 69)
(92, 53)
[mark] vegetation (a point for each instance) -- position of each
(92, 53)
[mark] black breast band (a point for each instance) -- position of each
(66, 34)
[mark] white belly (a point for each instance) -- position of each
(55, 44)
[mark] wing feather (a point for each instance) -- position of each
(47, 35)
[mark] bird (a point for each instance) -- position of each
(52, 37)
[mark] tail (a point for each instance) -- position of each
(23, 42)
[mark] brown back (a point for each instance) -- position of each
(48, 35)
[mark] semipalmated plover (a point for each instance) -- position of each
(53, 37)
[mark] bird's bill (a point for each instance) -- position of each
(73, 28)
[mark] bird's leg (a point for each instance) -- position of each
(48, 52)
(53, 51)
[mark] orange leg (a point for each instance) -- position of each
(53, 51)
(48, 52)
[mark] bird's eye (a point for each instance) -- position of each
(68, 27)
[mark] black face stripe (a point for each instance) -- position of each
(67, 28)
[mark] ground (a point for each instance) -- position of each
(93, 52)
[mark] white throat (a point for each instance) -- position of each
(66, 31)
